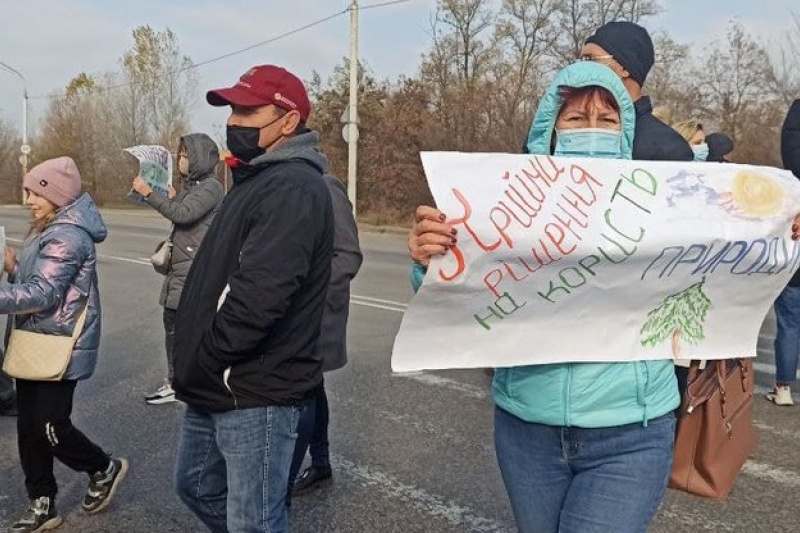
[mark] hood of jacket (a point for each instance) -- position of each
(84, 214)
(203, 155)
(579, 75)
(303, 146)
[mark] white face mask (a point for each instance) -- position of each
(589, 142)
(700, 152)
(183, 166)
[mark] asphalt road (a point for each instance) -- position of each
(410, 453)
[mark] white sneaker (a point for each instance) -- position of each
(165, 394)
(781, 395)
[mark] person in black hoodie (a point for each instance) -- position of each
(719, 148)
(787, 305)
(249, 316)
(627, 49)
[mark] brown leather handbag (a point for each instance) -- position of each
(715, 429)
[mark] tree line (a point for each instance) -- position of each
(475, 89)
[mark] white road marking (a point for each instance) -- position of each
(460, 516)
(417, 423)
(124, 259)
(772, 473)
(780, 432)
(439, 381)
(768, 369)
(140, 261)
(376, 303)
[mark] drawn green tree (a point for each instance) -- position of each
(681, 315)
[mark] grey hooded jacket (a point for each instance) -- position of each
(191, 211)
(54, 279)
(347, 258)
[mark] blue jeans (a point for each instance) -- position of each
(577, 480)
(233, 467)
(787, 337)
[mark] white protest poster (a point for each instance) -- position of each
(570, 260)
(155, 168)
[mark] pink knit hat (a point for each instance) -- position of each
(57, 180)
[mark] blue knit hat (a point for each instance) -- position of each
(631, 46)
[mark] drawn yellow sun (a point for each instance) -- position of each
(757, 194)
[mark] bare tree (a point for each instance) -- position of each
(160, 85)
(525, 35)
(10, 170)
(577, 19)
(787, 63)
(670, 82)
(458, 36)
(147, 102)
(736, 76)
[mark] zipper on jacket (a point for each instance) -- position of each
(225, 375)
(641, 388)
(567, 391)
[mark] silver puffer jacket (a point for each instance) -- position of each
(54, 278)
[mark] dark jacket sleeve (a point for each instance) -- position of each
(275, 258)
(56, 265)
(347, 257)
(655, 141)
(790, 139)
(193, 206)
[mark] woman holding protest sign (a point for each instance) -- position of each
(581, 446)
(190, 211)
(52, 294)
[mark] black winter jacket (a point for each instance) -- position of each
(654, 140)
(790, 153)
(249, 317)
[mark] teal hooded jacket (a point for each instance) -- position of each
(587, 395)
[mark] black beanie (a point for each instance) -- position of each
(631, 46)
(719, 145)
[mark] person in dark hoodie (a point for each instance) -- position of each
(628, 50)
(249, 316)
(787, 305)
(719, 148)
(312, 432)
(190, 212)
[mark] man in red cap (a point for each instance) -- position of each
(249, 316)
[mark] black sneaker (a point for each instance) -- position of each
(9, 407)
(103, 486)
(40, 516)
(312, 478)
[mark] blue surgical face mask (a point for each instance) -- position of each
(589, 142)
(700, 152)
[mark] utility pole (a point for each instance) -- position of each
(25, 149)
(352, 119)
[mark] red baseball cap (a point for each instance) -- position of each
(264, 85)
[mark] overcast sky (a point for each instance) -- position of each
(50, 41)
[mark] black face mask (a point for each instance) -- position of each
(243, 141)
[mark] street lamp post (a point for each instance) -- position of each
(352, 119)
(25, 149)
